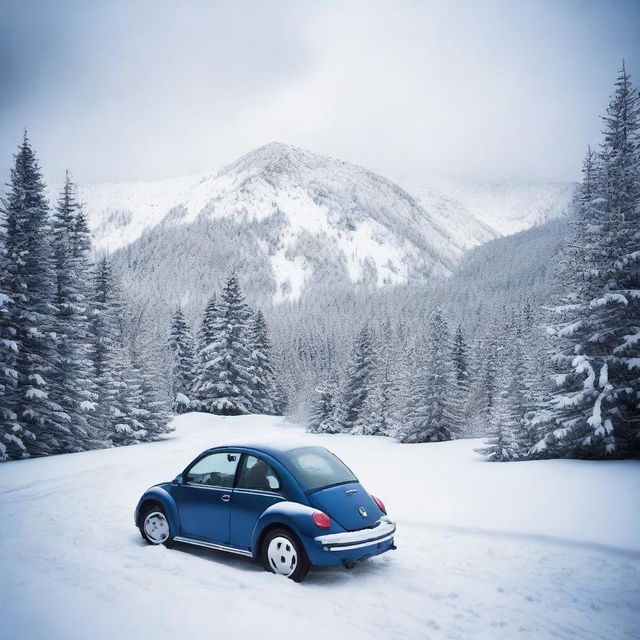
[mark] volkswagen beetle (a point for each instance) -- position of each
(289, 507)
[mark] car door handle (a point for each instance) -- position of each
(226, 497)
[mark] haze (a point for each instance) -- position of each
(145, 90)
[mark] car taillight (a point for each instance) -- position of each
(321, 520)
(380, 504)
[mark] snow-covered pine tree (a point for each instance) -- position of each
(502, 444)
(11, 435)
(207, 330)
(508, 433)
(156, 422)
(562, 423)
(381, 406)
(128, 411)
(593, 412)
(322, 417)
(71, 389)
(429, 418)
(616, 310)
(183, 365)
(262, 378)
(280, 398)
(224, 381)
(28, 280)
(534, 374)
(110, 360)
(459, 395)
(487, 354)
(359, 380)
(11, 443)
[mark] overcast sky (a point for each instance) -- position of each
(144, 90)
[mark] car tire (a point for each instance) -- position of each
(282, 553)
(154, 526)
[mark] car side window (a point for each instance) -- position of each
(214, 470)
(257, 474)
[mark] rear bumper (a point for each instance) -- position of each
(350, 540)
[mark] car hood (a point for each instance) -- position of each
(350, 505)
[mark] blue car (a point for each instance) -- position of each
(290, 507)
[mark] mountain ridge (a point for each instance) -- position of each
(309, 215)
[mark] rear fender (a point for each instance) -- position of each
(161, 495)
(296, 517)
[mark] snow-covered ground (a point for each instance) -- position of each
(485, 550)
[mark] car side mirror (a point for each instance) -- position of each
(178, 479)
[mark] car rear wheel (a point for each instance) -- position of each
(284, 555)
(154, 526)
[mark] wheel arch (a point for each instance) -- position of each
(293, 516)
(273, 526)
(160, 497)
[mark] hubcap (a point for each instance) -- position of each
(156, 527)
(282, 556)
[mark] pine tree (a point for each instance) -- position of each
(71, 385)
(616, 310)
(593, 412)
(534, 375)
(509, 438)
(207, 331)
(360, 379)
(224, 382)
(380, 406)
(503, 445)
(182, 347)
(110, 360)
(322, 415)
(262, 379)
(11, 443)
(128, 411)
(280, 398)
(27, 280)
(428, 416)
(156, 421)
(485, 367)
(460, 383)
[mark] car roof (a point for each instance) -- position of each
(274, 447)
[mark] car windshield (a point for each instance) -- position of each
(316, 468)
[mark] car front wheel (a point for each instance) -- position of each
(284, 555)
(154, 526)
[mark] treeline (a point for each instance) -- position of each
(70, 379)
(433, 386)
(228, 369)
(562, 380)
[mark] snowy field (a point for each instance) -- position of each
(546, 549)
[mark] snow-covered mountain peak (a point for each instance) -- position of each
(308, 215)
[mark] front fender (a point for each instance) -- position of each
(294, 515)
(160, 494)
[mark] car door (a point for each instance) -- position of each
(204, 498)
(257, 488)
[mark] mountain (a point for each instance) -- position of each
(288, 217)
(505, 207)
(304, 210)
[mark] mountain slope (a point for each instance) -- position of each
(291, 217)
(307, 213)
(505, 208)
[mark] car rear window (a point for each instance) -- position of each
(316, 468)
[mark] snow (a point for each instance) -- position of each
(503, 208)
(542, 549)
(607, 298)
(325, 211)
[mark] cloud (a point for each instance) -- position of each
(145, 90)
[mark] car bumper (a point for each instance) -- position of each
(360, 539)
